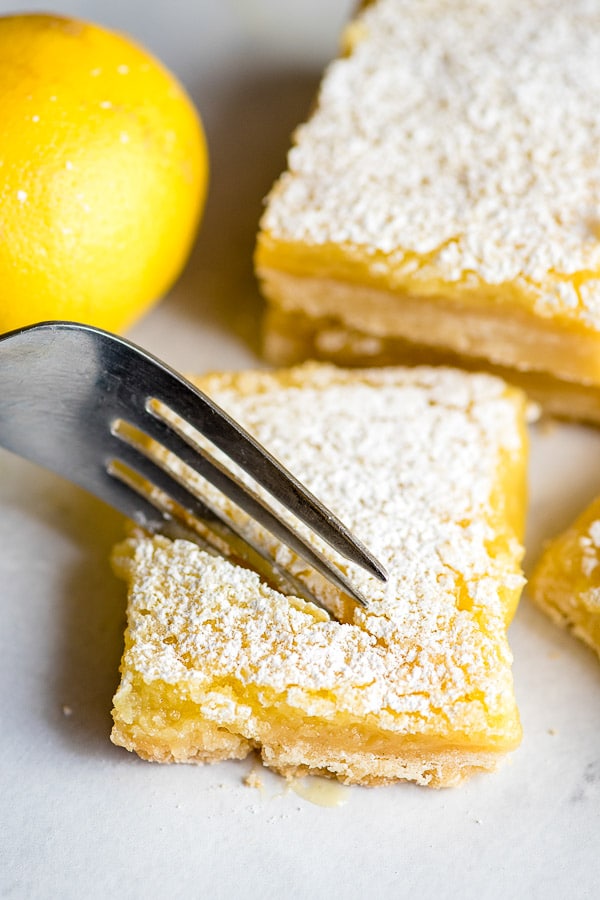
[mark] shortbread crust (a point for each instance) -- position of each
(427, 467)
(293, 337)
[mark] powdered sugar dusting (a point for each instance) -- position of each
(409, 460)
(465, 133)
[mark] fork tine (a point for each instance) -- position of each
(185, 400)
(172, 442)
(132, 504)
(269, 473)
(218, 525)
(199, 411)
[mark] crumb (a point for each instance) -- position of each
(253, 780)
(552, 731)
(67, 710)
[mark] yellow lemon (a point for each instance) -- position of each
(102, 174)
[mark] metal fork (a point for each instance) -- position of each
(73, 398)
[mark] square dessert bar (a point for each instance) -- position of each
(566, 580)
(442, 204)
(427, 467)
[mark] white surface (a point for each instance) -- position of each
(81, 818)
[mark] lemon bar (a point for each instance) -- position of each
(444, 198)
(427, 467)
(566, 580)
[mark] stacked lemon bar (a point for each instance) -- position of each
(443, 201)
